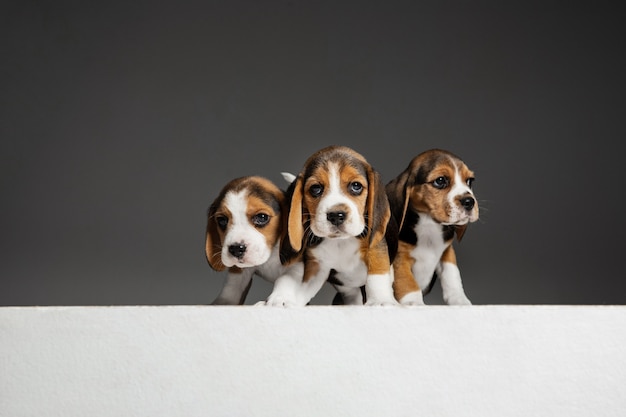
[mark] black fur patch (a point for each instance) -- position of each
(267, 198)
(407, 234)
(391, 236)
(337, 155)
(338, 299)
(421, 176)
(430, 284)
(332, 278)
(448, 232)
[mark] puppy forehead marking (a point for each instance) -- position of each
(350, 173)
(339, 156)
(236, 203)
(441, 163)
(336, 173)
(459, 186)
(334, 178)
(246, 202)
(342, 175)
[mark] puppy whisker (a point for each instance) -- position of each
(217, 259)
(309, 236)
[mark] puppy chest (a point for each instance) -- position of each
(344, 256)
(430, 243)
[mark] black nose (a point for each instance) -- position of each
(468, 203)
(336, 217)
(237, 250)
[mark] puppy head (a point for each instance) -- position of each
(336, 195)
(437, 183)
(244, 223)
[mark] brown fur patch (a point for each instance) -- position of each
(428, 199)
(311, 267)
(271, 230)
(404, 282)
(376, 257)
(449, 255)
(319, 176)
(215, 235)
(349, 174)
(295, 223)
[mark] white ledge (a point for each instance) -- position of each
(313, 361)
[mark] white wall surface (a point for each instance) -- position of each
(313, 361)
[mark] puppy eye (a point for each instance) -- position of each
(316, 190)
(356, 188)
(260, 219)
(222, 222)
(469, 182)
(440, 183)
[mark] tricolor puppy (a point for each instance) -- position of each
(337, 225)
(432, 201)
(243, 233)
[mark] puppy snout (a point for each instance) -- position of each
(468, 203)
(336, 217)
(237, 250)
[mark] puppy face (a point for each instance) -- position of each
(244, 223)
(334, 196)
(337, 196)
(440, 184)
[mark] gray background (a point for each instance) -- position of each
(121, 121)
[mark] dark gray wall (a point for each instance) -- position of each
(120, 122)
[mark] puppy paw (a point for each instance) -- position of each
(414, 303)
(413, 299)
(382, 303)
(279, 302)
(458, 300)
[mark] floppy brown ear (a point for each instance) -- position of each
(398, 192)
(213, 244)
(378, 211)
(460, 231)
(295, 228)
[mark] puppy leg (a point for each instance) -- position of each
(379, 281)
(284, 292)
(235, 288)
(405, 288)
(293, 290)
(378, 289)
(451, 285)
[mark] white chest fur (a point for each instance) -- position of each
(343, 256)
(427, 253)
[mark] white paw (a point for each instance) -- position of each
(414, 303)
(458, 300)
(413, 299)
(382, 303)
(278, 301)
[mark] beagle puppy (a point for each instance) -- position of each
(432, 201)
(338, 227)
(243, 233)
